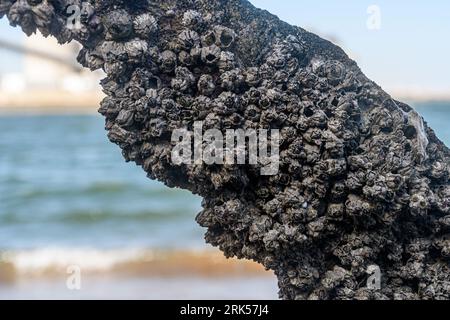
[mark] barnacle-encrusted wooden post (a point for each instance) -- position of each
(363, 181)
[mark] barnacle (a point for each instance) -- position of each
(136, 50)
(87, 11)
(362, 180)
(208, 38)
(206, 85)
(189, 39)
(226, 61)
(211, 55)
(224, 36)
(192, 18)
(91, 60)
(232, 80)
(252, 76)
(184, 79)
(168, 61)
(118, 24)
(145, 25)
(5, 6)
(31, 16)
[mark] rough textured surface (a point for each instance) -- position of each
(363, 181)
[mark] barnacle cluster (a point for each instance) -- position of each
(363, 181)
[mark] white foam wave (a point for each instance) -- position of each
(41, 260)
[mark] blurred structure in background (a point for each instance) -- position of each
(51, 78)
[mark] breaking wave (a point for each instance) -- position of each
(55, 262)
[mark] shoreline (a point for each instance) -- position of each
(50, 110)
(51, 263)
(147, 274)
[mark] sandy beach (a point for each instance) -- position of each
(178, 288)
(49, 102)
(43, 274)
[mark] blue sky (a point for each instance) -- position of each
(412, 49)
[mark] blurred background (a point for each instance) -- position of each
(69, 202)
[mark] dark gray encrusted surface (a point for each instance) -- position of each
(363, 181)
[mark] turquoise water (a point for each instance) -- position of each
(437, 115)
(62, 184)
